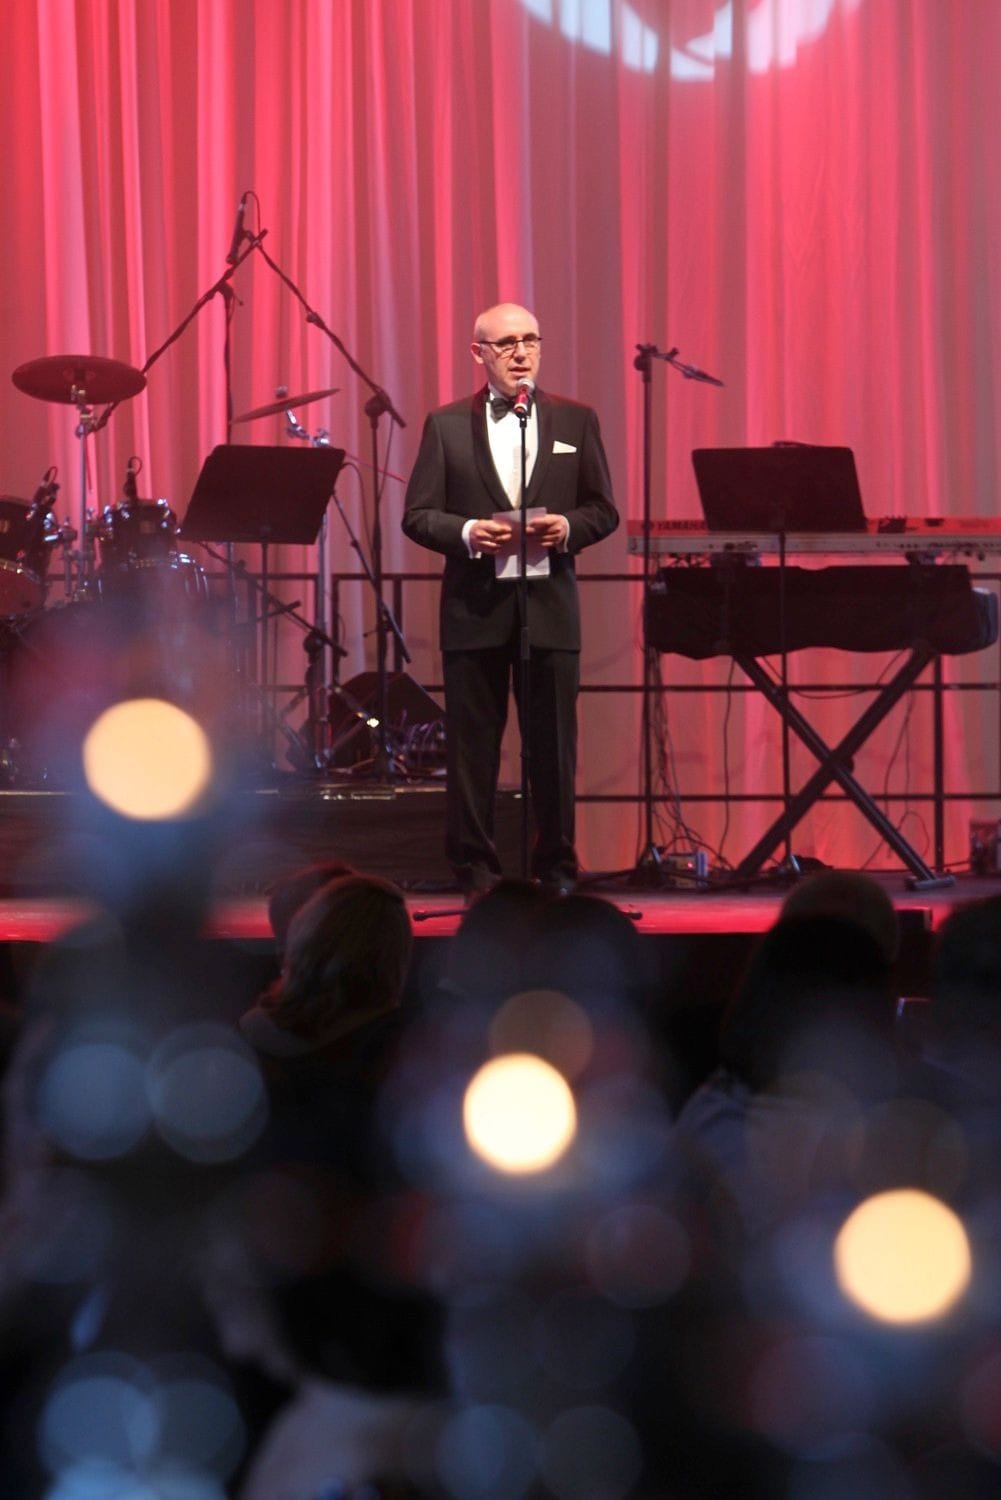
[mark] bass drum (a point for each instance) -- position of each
(64, 666)
(27, 534)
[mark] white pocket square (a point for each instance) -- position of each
(559, 447)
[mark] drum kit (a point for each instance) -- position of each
(129, 601)
(135, 614)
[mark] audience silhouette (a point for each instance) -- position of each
(288, 1216)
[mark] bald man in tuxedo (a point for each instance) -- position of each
(466, 478)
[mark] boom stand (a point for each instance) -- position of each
(651, 858)
(384, 765)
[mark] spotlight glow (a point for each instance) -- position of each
(147, 759)
(519, 1114)
(903, 1257)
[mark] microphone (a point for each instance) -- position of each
(129, 485)
(44, 497)
(237, 240)
(523, 398)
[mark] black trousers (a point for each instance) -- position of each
(477, 685)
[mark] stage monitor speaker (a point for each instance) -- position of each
(416, 722)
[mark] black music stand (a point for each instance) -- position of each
(784, 488)
(262, 495)
(247, 493)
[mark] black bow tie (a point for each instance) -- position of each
(500, 406)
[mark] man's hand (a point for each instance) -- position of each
(489, 536)
(551, 531)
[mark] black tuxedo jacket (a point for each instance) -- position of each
(454, 479)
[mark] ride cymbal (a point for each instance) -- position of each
(273, 408)
(72, 377)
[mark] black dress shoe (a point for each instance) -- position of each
(559, 883)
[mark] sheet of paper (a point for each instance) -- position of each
(507, 562)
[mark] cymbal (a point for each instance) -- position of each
(61, 377)
(274, 407)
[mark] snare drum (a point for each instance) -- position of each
(27, 533)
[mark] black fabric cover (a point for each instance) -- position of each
(734, 609)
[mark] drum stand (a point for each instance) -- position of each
(84, 531)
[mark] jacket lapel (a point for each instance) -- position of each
(484, 458)
(544, 413)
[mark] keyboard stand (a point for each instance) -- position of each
(834, 767)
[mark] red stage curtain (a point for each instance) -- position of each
(802, 195)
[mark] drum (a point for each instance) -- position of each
(64, 665)
(138, 541)
(134, 533)
(164, 583)
(27, 534)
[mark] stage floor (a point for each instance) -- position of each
(656, 912)
(50, 851)
(699, 944)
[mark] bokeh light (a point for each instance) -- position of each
(114, 1425)
(548, 1024)
(487, 1452)
(903, 1257)
(638, 1255)
(147, 759)
(102, 1408)
(519, 1114)
(92, 1100)
(207, 1093)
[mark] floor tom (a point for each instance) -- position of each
(27, 535)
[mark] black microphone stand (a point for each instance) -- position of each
(222, 288)
(651, 857)
(385, 760)
(385, 766)
(524, 649)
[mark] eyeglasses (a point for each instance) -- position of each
(506, 347)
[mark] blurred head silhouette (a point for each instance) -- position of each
(292, 891)
(817, 999)
(346, 959)
(848, 893)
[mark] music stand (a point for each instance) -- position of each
(787, 487)
(262, 495)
